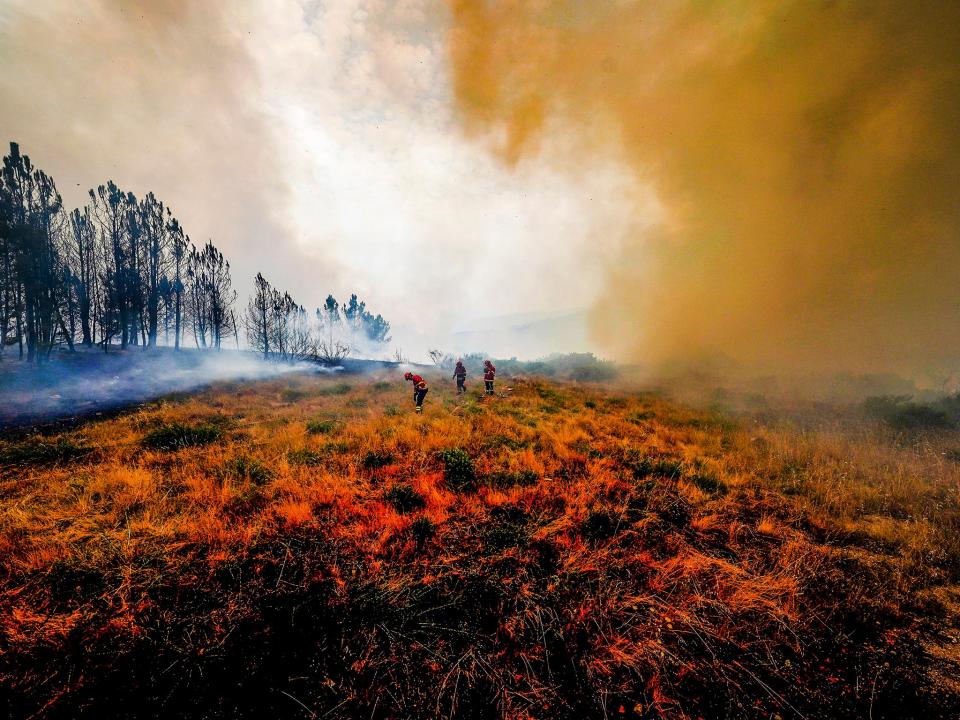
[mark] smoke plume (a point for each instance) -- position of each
(805, 152)
(91, 382)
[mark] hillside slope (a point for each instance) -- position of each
(308, 547)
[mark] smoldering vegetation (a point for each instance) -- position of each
(91, 382)
(306, 546)
(75, 385)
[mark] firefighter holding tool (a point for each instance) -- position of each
(419, 389)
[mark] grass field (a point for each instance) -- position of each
(308, 547)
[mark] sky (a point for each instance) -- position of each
(773, 184)
(317, 142)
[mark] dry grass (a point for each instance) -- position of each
(307, 547)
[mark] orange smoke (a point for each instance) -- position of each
(806, 154)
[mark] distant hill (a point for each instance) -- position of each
(526, 335)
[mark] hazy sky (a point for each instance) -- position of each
(774, 181)
(315, 141)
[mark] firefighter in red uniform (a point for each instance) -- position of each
(419, 389)
(460, 373)
(489, 372)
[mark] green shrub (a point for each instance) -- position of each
(522, 478)
(392, 411)
(336, 448)
(914, 416)
(248, 469)
(41, 452)
(405, 499)
(375, 459)
(291, 395)
(585, 448)
(597, 372)
(321, 426)
(247, 500)
(380, 386)
(305, 457)
(643, 466)
(497, 441)
(708, 482)
(340, 389)
(899, 413)
(175, 436)
(458, 470)
(553, 400)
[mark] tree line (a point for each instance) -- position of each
(277, 326)
(122, 271)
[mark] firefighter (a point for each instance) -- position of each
(460, 373)
(489, 372)
(419, 389)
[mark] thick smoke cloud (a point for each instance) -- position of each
(806, 155)
(158, 95)
(312, 140)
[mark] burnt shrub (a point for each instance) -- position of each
(41, 452)
(375, 459)
(175, 436)
(507, 527)
(458, 470)
(405, 499)
(600, 524)
(670, 506)
(422, 530)
(545, 556)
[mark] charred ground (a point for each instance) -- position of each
(306, 547)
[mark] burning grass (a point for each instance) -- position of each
(569, 551)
